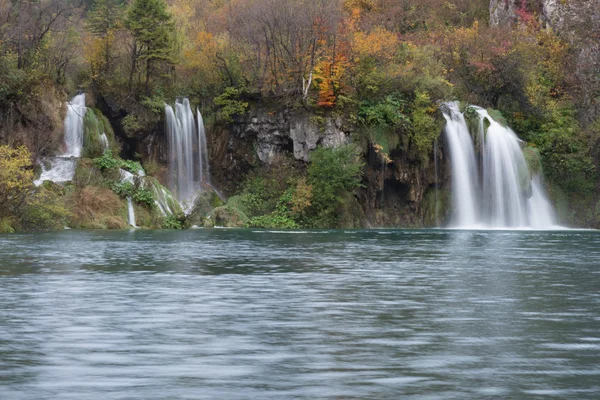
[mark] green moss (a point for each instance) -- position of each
(92, 129)
(436, 207)
(497, 116)
(533, 159)
(229, 216)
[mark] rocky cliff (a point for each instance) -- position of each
(398, 191)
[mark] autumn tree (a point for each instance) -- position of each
(287, 40)
(16, 176)
(32, 22)
(104, 18)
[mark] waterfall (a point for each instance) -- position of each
(61, 169)
(74, 126)
(130, 212)
(464, 168)
(188, 153)
(203, 151)
(57, 170)
(497, 188)
(104, 140)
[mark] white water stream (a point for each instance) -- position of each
(492, 186)
(188, 153)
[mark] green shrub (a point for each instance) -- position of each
(388, 112)
(106, 162)
(332, 173)
(230, 103)
(123, 189)
(143, 196)
(425, 127)
(131, 125)
(44, 211)
(175, 221)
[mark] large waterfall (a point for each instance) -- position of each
(492, 185)
(188, 154)
(62, 168)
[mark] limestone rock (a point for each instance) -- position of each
(502, 12)
(277, 133)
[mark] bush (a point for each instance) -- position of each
(230, 103)
(144, 197)
(175, 221)
(44, 211)
(16, 177)
(332, 173)
(107, 162)
(425, 127)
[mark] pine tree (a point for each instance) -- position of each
(104, 18)
(153, 29)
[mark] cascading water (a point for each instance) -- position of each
(496, 189)
(62, 168)
(464, 168)
(130, 212)
(188, 154)
(203, 151)
(74, 126)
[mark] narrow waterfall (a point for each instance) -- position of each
(74, 126)
(104, 140)
(492, 185)
(130, 212)
(203, 151)
(188, 153)
(61, 169)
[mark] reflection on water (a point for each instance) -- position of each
(237, 314)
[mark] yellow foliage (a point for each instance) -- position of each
(97, 52)
(302, 198)
(380, 44)
(16, 176)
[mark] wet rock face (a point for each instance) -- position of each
(277, 133)
(306, 134)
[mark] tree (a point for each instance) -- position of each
(154, 35)
(16, 176)
(101, 22)
(33, 21)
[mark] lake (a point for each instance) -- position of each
(242, 314)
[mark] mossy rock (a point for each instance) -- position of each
(204, 203)
(229, 216)
(208, 222)
(351, 214)
(497, 116)
(436, 207)
(533, 159)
